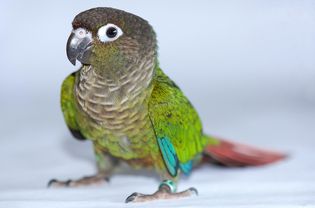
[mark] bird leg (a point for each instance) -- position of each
(84, 181)
(105, 164)
(167, 190)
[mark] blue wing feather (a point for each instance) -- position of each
(186, 167)
(170, 158)
(169, 155)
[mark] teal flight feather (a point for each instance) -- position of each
(169, 155)
(186, 167)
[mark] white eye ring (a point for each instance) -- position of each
(109, 32)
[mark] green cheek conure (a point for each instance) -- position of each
(122, 101)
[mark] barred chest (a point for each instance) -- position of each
(117, 102)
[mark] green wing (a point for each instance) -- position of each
(68, 106)
(176, 123)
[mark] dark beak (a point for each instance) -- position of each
(79, 48)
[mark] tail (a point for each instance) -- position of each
(234, 154)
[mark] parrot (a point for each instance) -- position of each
(132, 112)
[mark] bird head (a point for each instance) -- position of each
(110, 39)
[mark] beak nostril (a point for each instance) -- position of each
(78, 48)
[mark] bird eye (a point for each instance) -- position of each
(109, 32)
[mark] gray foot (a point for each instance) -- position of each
(85, 181)
(163, 193)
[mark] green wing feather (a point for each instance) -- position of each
(175, 120)
(68, 106)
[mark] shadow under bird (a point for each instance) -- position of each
(122, 101)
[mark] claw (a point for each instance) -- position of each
(193, 191)
(56, 183)
(132, 197)
(51, 182)
(67, 183)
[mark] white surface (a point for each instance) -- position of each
(249, 72)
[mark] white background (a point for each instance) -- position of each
(247, 66)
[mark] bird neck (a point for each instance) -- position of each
(126, 81)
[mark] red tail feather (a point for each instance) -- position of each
(235, 154)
